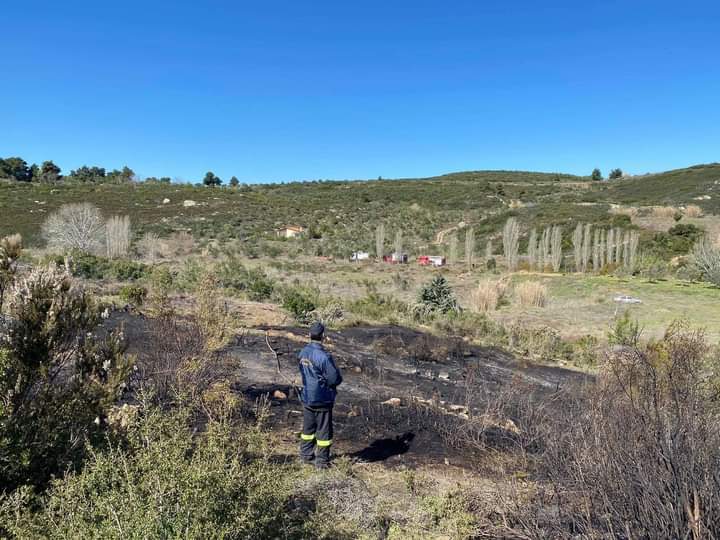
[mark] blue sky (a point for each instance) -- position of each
(281, 90)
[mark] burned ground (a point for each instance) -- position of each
(408, 397)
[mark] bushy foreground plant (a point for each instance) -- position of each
(163, 482)
(56, 379)
(636, 455)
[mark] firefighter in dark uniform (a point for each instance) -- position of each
(320, 379)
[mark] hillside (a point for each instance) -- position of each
(342, 215)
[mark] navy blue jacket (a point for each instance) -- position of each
(319, 374)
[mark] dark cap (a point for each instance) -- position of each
(316, 331)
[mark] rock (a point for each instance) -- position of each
(458, 408)
(279, 394)
(464, 416)
(510, 426)
(189, 203)
(393, 402)
(354, 411)
(357, 369)
(444, 375)
(166, 201)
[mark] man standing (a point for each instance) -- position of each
(320, 378)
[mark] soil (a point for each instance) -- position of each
(377, 363)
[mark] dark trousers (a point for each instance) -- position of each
(317, 434)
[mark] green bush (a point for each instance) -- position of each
(300, 303)
(133, 294)
(56, 378)
(625, 332)
(437, 297)
(163, 482)
(90, 266)
(126, 270)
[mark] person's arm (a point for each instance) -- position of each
(332, 374)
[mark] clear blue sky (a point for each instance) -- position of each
(284, 90)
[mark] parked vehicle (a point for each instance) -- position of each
(360, 256)
(431, 260)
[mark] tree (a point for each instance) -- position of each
(399, 244)
(380, 242)
(615, 174)
(117, 236)
(211, 180)
(532, 250)
(469, 246)
(596, 175)
(234, 182)
(577, 239)
(556, 258)
(49, 173)
(75, 226)
(586, 247)
(15, 168)
(511, 236)
(452, 249)
(87, 174)
(438, 296)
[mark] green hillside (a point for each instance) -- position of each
(342, 215)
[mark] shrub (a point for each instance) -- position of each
(56, 378)
(164, 482)
(133, 294)
(10, 251)
(625, 332)
(693, 211)
(437, 297)
(643, 459)
(531, 294)
(706, 260)
(300, 303)
(488, 295)
(124, 270)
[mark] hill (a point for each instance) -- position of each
(342, 215)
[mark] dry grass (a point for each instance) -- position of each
(664, 211)
(531, 294)
(693, 211)
(488, 294)
(630, 211)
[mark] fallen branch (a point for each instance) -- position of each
(277, 366)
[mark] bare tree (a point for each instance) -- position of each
(75, 226)
(117, 236)
(469, 246)
(150, 246)
(532, 250)
(399, 243)
(547, 247)
(603, 240)
(586, 247)
(706, 259)
(611, 246)
(618, 246)
(380, 241)
(557, 255)
(634, 243)
(489, 250)
(511, 237)
(597, 249)
(452, 249)
(577, 239)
